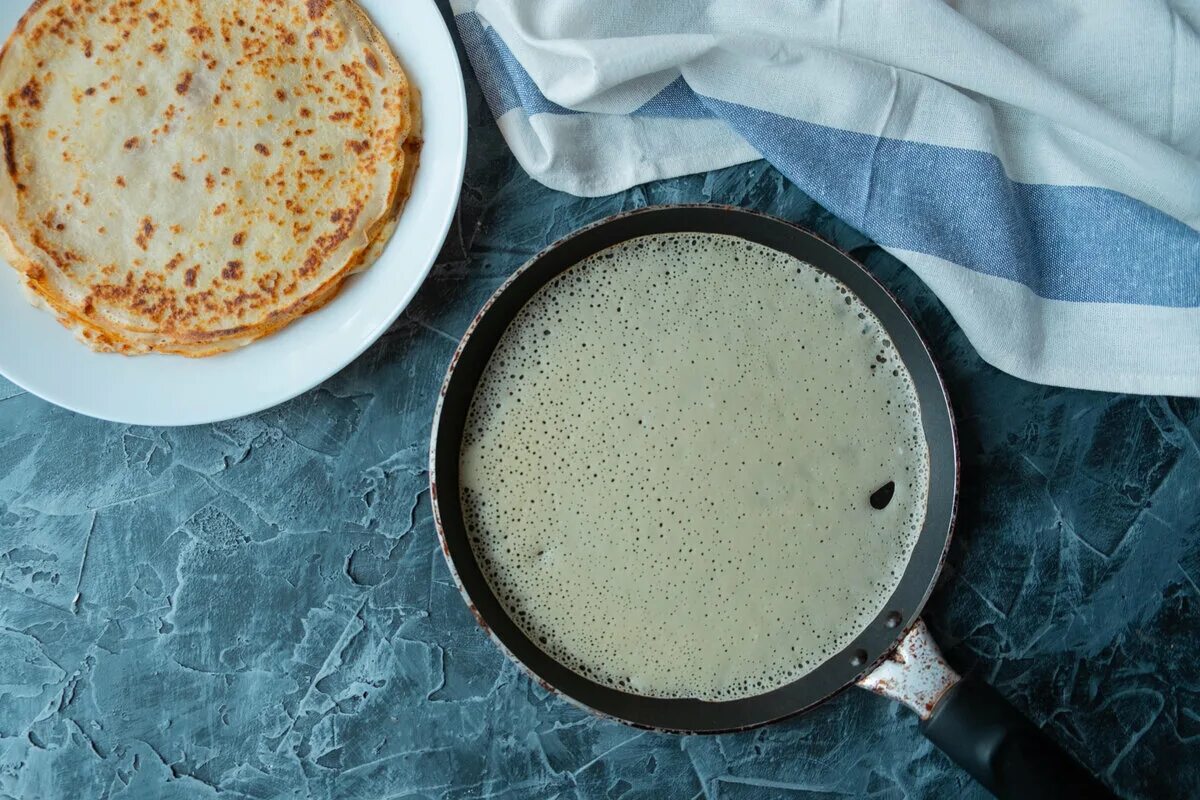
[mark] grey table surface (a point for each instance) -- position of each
(259, 609)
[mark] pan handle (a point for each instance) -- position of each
(1002, 749)
(977, 728)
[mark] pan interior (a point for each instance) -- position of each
(667, 469)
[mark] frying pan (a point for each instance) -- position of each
(893, 656)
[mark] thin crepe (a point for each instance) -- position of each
(186, 176)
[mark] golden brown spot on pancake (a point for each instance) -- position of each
(210, 182)
(232, 271)
(317, 8)
(132, 142)
(304, 112)
(340, 116)
(262, 149)
(87, 48)
(329, 242)
(176, 229)
(177, 173)
(280, 95)
(200, 33)
(359, 147)
(373, 63)
(91, 90)
(141, 90)
(185, 83)
(62, 258)
(30, 94)
(174, 263)
(226, 171)
(189, 276)
(121, 181)
(146, 234)
(10, 156)
(114, 99)
(239, 238)
(221, 209)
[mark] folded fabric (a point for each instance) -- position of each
(1036, 162)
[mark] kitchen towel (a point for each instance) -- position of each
(1036, 162)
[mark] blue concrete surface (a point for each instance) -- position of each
(258, 608)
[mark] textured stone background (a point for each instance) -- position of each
(258, 609)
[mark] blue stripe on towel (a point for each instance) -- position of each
(676, 101)
(1076, 243)
(505, 83)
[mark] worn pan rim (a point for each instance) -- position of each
(849, 664)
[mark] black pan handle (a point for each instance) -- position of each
(1003, 750)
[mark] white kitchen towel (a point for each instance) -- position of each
(1036, 162)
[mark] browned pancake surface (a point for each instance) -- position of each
(188, 175)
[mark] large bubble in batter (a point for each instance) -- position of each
(669, 461)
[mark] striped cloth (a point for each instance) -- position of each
(1036, 162)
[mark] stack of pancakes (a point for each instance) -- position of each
(187, 176)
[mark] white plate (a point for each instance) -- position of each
(42, 357)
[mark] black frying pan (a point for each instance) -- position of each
(894, 656)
